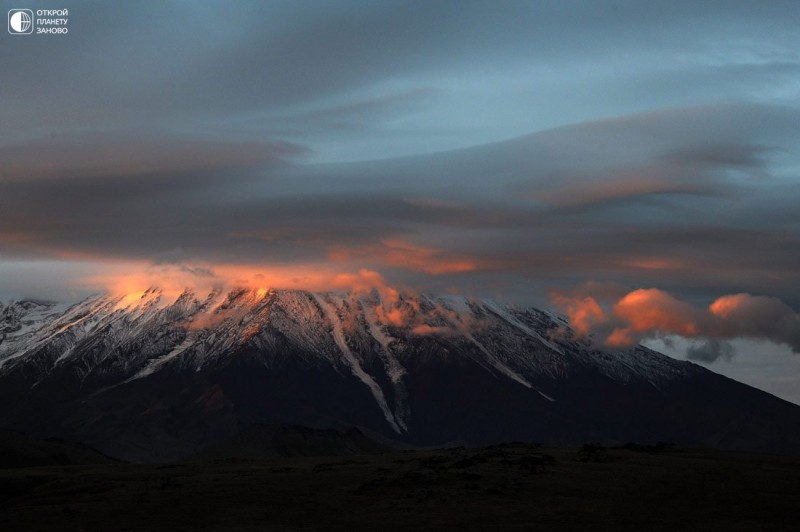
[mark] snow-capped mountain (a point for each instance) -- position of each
(157, 377)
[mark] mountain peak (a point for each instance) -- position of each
(120, 371)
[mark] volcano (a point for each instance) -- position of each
(151, 377)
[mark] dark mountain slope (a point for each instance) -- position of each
(159, 379)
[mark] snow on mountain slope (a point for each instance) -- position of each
(20, 319)
(153, 370)
(137, 338)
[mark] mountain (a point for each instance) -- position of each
(153, 378)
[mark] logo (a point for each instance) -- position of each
(20, 22)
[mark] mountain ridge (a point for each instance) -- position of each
(160, 376)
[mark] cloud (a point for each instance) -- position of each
(757, 317)
(338, 118)
(440, 220)
(652, 313)
(140, 153)
(618, 188)
(364, 282)
(401, 254)
(710, 350)
(583, 313)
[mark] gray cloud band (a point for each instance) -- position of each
(717, 192)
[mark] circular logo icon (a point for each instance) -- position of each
(20, 22)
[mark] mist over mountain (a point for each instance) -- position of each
(150, 377)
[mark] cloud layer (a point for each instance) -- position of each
(690, 200)
(503, 149)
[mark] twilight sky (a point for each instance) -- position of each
(635, 165)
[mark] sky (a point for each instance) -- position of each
(635, 165)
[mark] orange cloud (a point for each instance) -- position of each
(728, 306)
(583, 313)
(366, 281)
(130, 281)
(656, 263)
(396, 310)
(429, 260)
(402, 254)
(651, 310)
(130, 278)
(648, 313)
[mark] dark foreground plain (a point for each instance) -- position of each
(504, 487)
